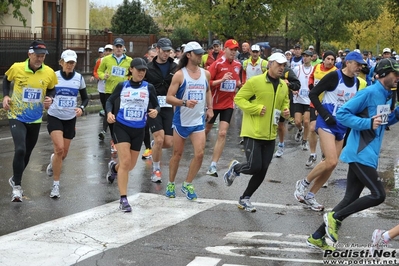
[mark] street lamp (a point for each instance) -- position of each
(58, 33)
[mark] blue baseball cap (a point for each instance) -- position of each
(355, 56)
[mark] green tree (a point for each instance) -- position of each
(327, 20)
(100, 17)
(14, 7)
(240, 19)
(181, 35)
(130, 18)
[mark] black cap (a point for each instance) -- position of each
(307, 52)
(216, 42)
(386, 66)
(278, 51)
(38, 47)
(165, 44)
(347, 50)
(138, 63)
(119, 41)
(365, 52)
(297, 45)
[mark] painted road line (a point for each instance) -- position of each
(73, 238)
(204, 261)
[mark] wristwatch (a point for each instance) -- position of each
(83, 108)
(184, 102)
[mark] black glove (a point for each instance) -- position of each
(330, 120)
(311, 86)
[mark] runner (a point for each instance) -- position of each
(61, 116)
(133, 100)
(190, 93)
(33, 89)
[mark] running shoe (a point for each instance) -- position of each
(156, 176)
(101, 135)
(111, 174)
(147, 154)
(170, 190)
(124, 205)
(320, 244)
(378, 242)
(332, 226)
(188, 190)
(230, 175)
(325, 185)
(17, 193)
(280, 151)
(245, 204)
(312, 160)
(305, 145)
(313, 204)
(300, 191)
(299, 135)
(49, 170)
(212, 171)
(55, 191)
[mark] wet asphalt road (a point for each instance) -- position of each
(218, 232)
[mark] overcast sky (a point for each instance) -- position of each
(110, 3)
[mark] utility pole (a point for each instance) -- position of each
(58, 33)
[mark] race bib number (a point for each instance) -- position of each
(66, 102)
(384, 111)
(193, 95)
(304, 92)
(162, 101)
(228, 86)
(276, 115)
(30, 95)
(118, 71)
(133, 114)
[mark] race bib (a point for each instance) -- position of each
(194, 95)
(66, 102)
(118, 71)
(30, 95)
(304, 92)
(384, 111)
(228, 86)
(276, 115)
(162, 101)
(133, 114)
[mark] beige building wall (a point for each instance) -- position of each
(75, 15)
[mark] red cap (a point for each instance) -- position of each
(231, 44)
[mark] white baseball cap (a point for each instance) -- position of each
(255, 47)
(101, 50)
(109, 46)
(194, 47)
(278, 57)
(386, 50)
(69, 55)
(311, 47)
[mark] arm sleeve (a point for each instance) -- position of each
(50, 92)
(109, 105)
(6, 86)
(327, 83)
(294, 83)
(84, 96)
(153, 98)
(95, 73)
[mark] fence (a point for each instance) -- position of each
(15, 41)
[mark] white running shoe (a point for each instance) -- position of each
(55, 192)
(300, 191)
(280, 151)
(313, 204)
(312, 159)
(17, 193)
(299, 135)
